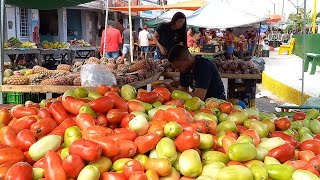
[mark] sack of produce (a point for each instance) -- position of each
(96, 74)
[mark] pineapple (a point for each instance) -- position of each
(92, 60)
(39, 69)
(62, 80)
(122, 69)
(17, 80)
(77, 81)
(50, 81)
(143, 64)
(64, 67)
(35, 79)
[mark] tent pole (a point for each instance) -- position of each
(105, 28)
(314, 17)
(2, 19)
(130, 27)
(303, 49)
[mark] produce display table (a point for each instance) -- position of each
(49, 54)
(209, 54)
(14, 54)
(82, 52)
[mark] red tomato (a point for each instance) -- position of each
(159, 116)
(147, 142)
(148, 97)
(176, 102)
(39, 163)
(312, 145)
(72, 165)
(179, 115)
(102, 104)
(192, 127)
(241, 128)
(215, 144)
(282, 123)
(44, 113)
(282, 153)
(114, 89)
(226, 107)
(187, 140)
(127, 149)
(157, 129)
(311, 168)
(4, 169)
(53, 166)
(253, 134)
(28, 158)
(112, 176)
(25, 139)
(119, 103)
(297, 116)
(116, 115)
(206, 110)
(315, 162)
(138, 175)
(11, 155)
(96, 131)
(296, 164)
(8, 136)
(87, 150)
(59, 130)
(102, 89)
(108, 145)
(84, 121)
(43, 127)
(5, 116)
(136, 106)
(132, 166)
(202, 126)
(306, 155)
(212, 127)
(125, 135)
(101, 120)
(72, 105)
(19, 171)
(287, 138)
(58, 112)
(227, 141)
(164, 93)
(20, 112)
(125, 121)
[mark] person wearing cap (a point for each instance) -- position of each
(143, 39)
(113, 41)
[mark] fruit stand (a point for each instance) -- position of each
(14, 54)
(82, 52)
(49, 54)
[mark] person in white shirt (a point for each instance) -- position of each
(144, 37)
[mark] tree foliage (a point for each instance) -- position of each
(297, 19)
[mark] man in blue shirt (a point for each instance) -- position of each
(198, 73)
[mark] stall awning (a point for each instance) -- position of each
(186, 5)
(45, 4)
(274, 18)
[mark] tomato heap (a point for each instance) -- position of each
(114, 134)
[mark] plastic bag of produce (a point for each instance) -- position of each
(95, 74)
(260, 63)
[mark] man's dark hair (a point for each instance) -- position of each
(177, 53)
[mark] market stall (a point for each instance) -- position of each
(15, 54)
(82, 52)
(64, 55)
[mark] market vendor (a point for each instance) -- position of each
(169, 34)
(197, 72)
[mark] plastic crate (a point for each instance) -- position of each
(13, 98)
(34, 97)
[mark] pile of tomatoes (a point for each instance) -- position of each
(120, 134)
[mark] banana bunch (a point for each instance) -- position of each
(28, 44)
(194, 49)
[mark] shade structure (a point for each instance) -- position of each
(185, 5)
(154, 23)
(220, 16)
(45, 4)
(167, 16)
(274, 18)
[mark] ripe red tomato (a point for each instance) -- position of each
(5, 116)
(59, 130)
(311, 168)
(4, 169)
(148, 97)
(116, 115)
(282, 123)
(101, 120)
(39, 163)
(20, 112)
(226, 107)
(44, 113)
(112, 176)
(254, 136)
(315, 162)
(108, 145)
(43, 127)
(132, 166)
(187, 140)
(136, 106)
(102, 104)
(212, 127)
(147, 142)
(8, 136)
(19, 171)
(124, 135)
(84, 121)
(312, 145)
(283, 153)
(125, 121)
(297, 116)
(102, 89)
(164, 93)
(306, 155)
(58, 112)
(87, 150)
(25, 139)
(138, 175)
(72, 165)
(72, 105)
(119, 103)
(53, 166)
(127, 149)
(287, 138)
(202, 126)
(95, 131)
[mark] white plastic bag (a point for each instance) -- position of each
(94, 75)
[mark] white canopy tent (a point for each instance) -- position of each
(167, 15)
(221, 16)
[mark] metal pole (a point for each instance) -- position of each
(130, 26)
(303, 49)
(2, 21)
(282, 7)
(105, 29)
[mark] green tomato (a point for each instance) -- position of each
(177, 94)
(205, 116)
(172, 129)
(156, 104)
(89, 172)
(80, 93)
(235, 172)
(242, 152)
(93, 95)
(37, 173)
(103, 164)
(211, 170)
(128, 92)
(141, 158)
(227, 126)
(193, 104)
(261, 153)
(270, 143)
(118, 164)
(71, 135)
(166, 149)
(314, 125)
(238, 118)
(206, 141)
(176, 163)
(245, 139)
(270, 160)
(87, 109)
(222, 117)
(303, 174)
(259, 172)
(190, 163)
(64, 153)
(304, 130)
(312, 114)
(42, 146)
(279, 171)
(261, 128)
(214, 156)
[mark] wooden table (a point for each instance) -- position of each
(82, 52)
(13, 54)
(49, 54)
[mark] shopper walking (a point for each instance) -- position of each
(113, 41)
(144, 37)
(126, 43)
(169, 34)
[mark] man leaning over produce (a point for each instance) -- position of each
(198, 73)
